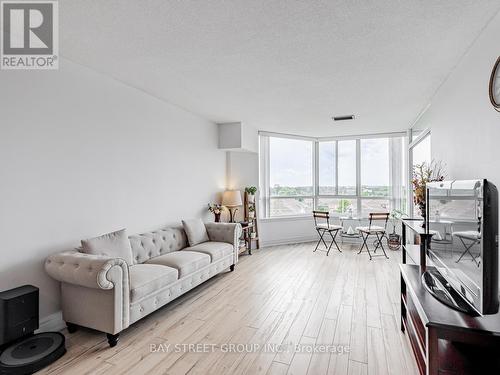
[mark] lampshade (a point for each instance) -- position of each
(231, 198)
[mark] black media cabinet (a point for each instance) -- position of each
(444, 341)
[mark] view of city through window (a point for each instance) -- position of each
(291, 176)
(306, 174)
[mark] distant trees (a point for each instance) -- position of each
(343, 206)
(338, 204)
(288, 191)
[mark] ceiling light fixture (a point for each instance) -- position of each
(343, 118)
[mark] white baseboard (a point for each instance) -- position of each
(289, 240)
(51, 323)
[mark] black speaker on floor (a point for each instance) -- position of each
(22, 351)
(18, 312)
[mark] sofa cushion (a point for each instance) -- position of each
(195, 231)
(186, 262)
(114, 244)
(216, 250)
(147, 278)
(152, 244)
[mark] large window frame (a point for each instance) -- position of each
(264, 172)
(265, 178)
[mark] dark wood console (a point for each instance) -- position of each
(412, 232)
(444, 341)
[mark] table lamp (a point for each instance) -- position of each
(231, 199)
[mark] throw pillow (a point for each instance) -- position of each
(114, 244)
(195, 231)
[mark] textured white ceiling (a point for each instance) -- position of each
(284, 66)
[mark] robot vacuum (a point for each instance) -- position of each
(32, 353)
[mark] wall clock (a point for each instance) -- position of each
(495, 85)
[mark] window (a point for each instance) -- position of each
(337, 162)
(375, 167)
(291, 167)
(338, 206)
(290, 206)
(345, 176)
(291, 176)
(327, 163)
(375, 205)
(382, 174)
(347, 167)
(399, 175)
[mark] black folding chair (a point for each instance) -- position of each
(325, 227)
(374, 230)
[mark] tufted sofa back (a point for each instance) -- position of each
(150, 245)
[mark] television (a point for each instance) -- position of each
(462, 252)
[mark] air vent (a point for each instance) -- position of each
(343, 118)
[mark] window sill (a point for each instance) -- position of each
(287, 218)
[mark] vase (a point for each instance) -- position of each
(423, 212)
(217, 218)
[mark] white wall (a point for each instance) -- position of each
(238, 137)
(287, 230)
(465, 127)
(242, 171)
(82, 154)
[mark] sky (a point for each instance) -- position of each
(291, 162)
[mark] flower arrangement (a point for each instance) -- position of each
(422, 174)
(216, 209)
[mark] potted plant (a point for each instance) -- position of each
(251, 212)
(216, 209)
(251, 190)
(394, 240)
(422, 174)
(253, 235)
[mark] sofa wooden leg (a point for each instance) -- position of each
(231, 267)
(112, 339)
(72, 328)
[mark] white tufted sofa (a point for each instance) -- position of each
(106, 294)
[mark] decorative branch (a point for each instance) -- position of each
(423, 174)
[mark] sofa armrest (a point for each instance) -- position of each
(225, 232)
(91, 271)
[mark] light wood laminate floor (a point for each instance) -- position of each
(281, 296)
